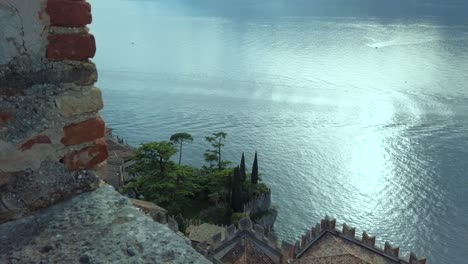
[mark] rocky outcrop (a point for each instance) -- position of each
(97, 227)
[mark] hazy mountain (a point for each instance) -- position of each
(454, 10)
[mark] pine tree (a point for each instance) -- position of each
(242, 169)
(236, 199)
(254, 177)
(214, 155)
(181, 138)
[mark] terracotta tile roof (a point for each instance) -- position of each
(332, 248)
(342, 259)
(246, 252)
(203, 232)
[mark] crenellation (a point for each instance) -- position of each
(391, 251)
(413, 259)
(242, 241)
(316, 230)
(348, 231)
(306, 238)
(259, 231)
(216, 239)
(160, 217)
(297, 248)
(368, 240)
(287, 250)
(272, 240)
(230, 232)
(172, 224)
(327, 224)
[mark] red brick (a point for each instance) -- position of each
(67, 13)
(86, 131)
(42, 139)
(87, 158)
(6, 117)
(78, 47)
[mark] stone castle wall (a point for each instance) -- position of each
(51, 135)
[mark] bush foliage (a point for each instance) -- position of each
(192, 193)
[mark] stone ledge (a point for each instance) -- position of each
(14, 83)
(97, 227)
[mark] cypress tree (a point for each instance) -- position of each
(236, 199)
(242, 168)
(254, 178)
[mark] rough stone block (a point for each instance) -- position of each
(79, 47)
(69, 13)
(86, 158)
(87, 102)
(13, 159)
(86, 131)
(58, 73)
(29, 190)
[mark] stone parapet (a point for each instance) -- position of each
(101, 226)
(51, 134)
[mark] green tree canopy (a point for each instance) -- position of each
(173, 191)
(154, 156)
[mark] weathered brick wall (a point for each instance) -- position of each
(51, 135)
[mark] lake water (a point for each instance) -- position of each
(359, 112)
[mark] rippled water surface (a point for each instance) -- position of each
(361, 118)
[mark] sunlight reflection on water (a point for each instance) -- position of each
(363, 121)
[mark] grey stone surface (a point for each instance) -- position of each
(33, 190)
(97, 227)
(22, 33)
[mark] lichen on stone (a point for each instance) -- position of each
(96, 227)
